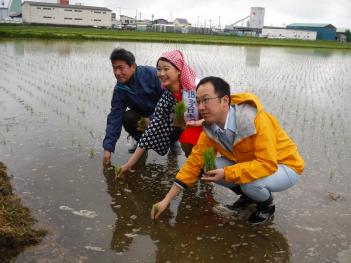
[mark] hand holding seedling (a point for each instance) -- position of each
(157, 209)
(117, 171)
(123, 169)
(214, 175)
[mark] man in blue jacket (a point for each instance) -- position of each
(138, 89)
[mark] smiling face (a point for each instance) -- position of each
(212, 108)
(122, 71)
(167, 73)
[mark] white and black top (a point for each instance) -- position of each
(157, 134)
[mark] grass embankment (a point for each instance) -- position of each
(15, 221)
(51, 32)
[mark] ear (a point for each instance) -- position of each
(226, 99)
(133, 67)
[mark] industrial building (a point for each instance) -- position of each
(250, 25)
(4, 13)
(285, 33)
(324, 31)
(64, 14)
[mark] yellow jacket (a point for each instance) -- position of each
(260, 145)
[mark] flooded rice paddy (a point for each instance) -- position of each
(54, 98)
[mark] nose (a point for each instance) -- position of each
(201, 106)
(160, 73)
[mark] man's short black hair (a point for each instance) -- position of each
(124, 55)
(221, 87)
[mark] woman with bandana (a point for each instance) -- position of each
(179, 80)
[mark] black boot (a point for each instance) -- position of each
(265, 211)
(243, 201)
(240, 204)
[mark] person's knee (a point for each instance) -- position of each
(255, 191)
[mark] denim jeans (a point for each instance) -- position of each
(261, 189)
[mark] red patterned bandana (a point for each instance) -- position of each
(187, 75)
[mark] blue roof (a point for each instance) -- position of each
(310, 25)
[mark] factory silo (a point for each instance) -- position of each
(256, 17)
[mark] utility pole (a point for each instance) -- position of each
(119, 9)
(219, 22)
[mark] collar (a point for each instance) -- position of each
(230, 121)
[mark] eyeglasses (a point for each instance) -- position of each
(205, 101)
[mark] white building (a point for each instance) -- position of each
(4, 13)
(181, 22)
(256, 17)
(58, 14)
(284, 33)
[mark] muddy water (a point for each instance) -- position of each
(54, 98)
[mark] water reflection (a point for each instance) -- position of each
(252, 56)
(318, 52)
(198, 232)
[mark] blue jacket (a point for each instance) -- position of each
(142, 96)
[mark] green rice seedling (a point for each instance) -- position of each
(117, 171)
(154, 210)
(209, 160)
(179, 110)
(141, 124)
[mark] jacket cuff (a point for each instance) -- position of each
(181, 184)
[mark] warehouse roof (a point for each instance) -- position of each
(67, 6)
(310, 25)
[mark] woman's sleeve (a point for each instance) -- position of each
(157, 134)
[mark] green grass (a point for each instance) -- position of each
(52, 32)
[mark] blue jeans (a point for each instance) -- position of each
(261, 189)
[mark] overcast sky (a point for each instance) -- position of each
(277, 12)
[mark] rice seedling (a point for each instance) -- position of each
(179, 110)
(209, 160)
(154, 210)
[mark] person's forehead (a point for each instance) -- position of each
(119, 63)
(205, 89)
(162, 63)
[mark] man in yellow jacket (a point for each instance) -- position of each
(257, 155)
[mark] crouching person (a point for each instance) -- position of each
(257, 155)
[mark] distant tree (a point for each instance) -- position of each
(348, 35)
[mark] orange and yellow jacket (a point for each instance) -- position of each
(260, 145)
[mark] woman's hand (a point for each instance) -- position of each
(124, 168)
(195, 123)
